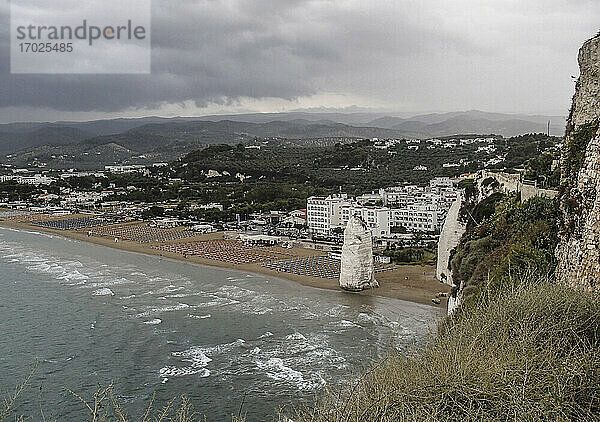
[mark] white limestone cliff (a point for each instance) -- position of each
(579, 250)
(450, 236)
(357, 271)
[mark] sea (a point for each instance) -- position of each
(85, 315)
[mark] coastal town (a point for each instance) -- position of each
(112, 207)
(303, 245)
(300, 211)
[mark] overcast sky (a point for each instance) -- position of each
(223, 56)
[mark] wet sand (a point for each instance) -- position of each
(414, 283)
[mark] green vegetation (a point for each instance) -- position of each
(236, 198)
(420, 249)
(520, 149)
(357, 167)
(469, 189)
(574, 151)
(281, 175)
(528, 353)
(13, 191)
(247, 198)
(398, 229)
(573, 158)
(411, 255)
(490, 182)
(510, 238)
(153, 212)
(540, 169)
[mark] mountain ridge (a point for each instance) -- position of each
(165, 139)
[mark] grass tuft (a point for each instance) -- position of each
(104, 407)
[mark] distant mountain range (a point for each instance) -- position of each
(94, 143)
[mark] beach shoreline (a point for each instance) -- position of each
(412, 283)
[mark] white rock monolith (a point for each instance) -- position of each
(357, 271)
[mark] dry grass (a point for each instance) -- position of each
(530, 354)
(103, 406)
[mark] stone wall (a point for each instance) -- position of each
(511, 182)
(578, 252)
(529, 191)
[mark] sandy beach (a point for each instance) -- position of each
(414, 283)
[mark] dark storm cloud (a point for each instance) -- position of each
(415, 54)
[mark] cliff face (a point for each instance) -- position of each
(452, 231)
(586, 101)
(578, 253)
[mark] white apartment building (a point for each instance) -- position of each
(83, 198)
(417, 218)
(440, 192)
(401, 196)
(413, 207)
(323, 214)
(122, 169)
(35, 180)
(444, 182)
(370, 198)
(377, 218)
(210, 206)
(81, 174)
(326, 214)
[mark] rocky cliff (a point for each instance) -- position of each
(578, 253)
(450, 235)
(357, 270)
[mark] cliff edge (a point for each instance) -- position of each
(578, 252)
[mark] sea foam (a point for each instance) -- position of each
(103, 292)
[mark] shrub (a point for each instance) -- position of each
(411, 255)
(574, 151)
(512, 238)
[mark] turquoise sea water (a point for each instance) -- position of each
(90, 314)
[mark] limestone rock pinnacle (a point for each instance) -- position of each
(357, 271)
